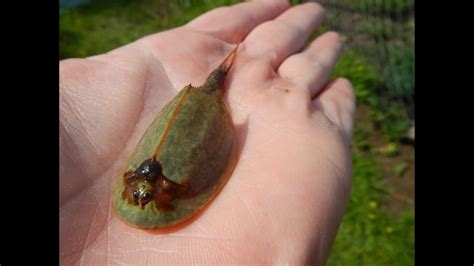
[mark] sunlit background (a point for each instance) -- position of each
(378, 227)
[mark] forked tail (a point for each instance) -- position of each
(215, 81)
(228, 62)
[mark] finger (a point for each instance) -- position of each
(312, 67)
(337, 103)
(232, 24)
(277, 39)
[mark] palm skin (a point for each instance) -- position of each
(285, 199)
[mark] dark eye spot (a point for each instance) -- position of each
(146, 195)
(136, 195)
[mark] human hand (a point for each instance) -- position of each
(287, 194)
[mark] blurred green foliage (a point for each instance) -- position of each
(401, 70)
(400, 169)
(390, 150)
(388, 115)
(107, 24)
(382, 31)
(368, 235)
(397, 9)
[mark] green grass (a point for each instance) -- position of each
(387, 114)
(369, 233)
(381, 36)
(108, 24)
(397, 9)
(400, 169)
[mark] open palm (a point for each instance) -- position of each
(286, 196)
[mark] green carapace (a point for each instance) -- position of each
(183, 159)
